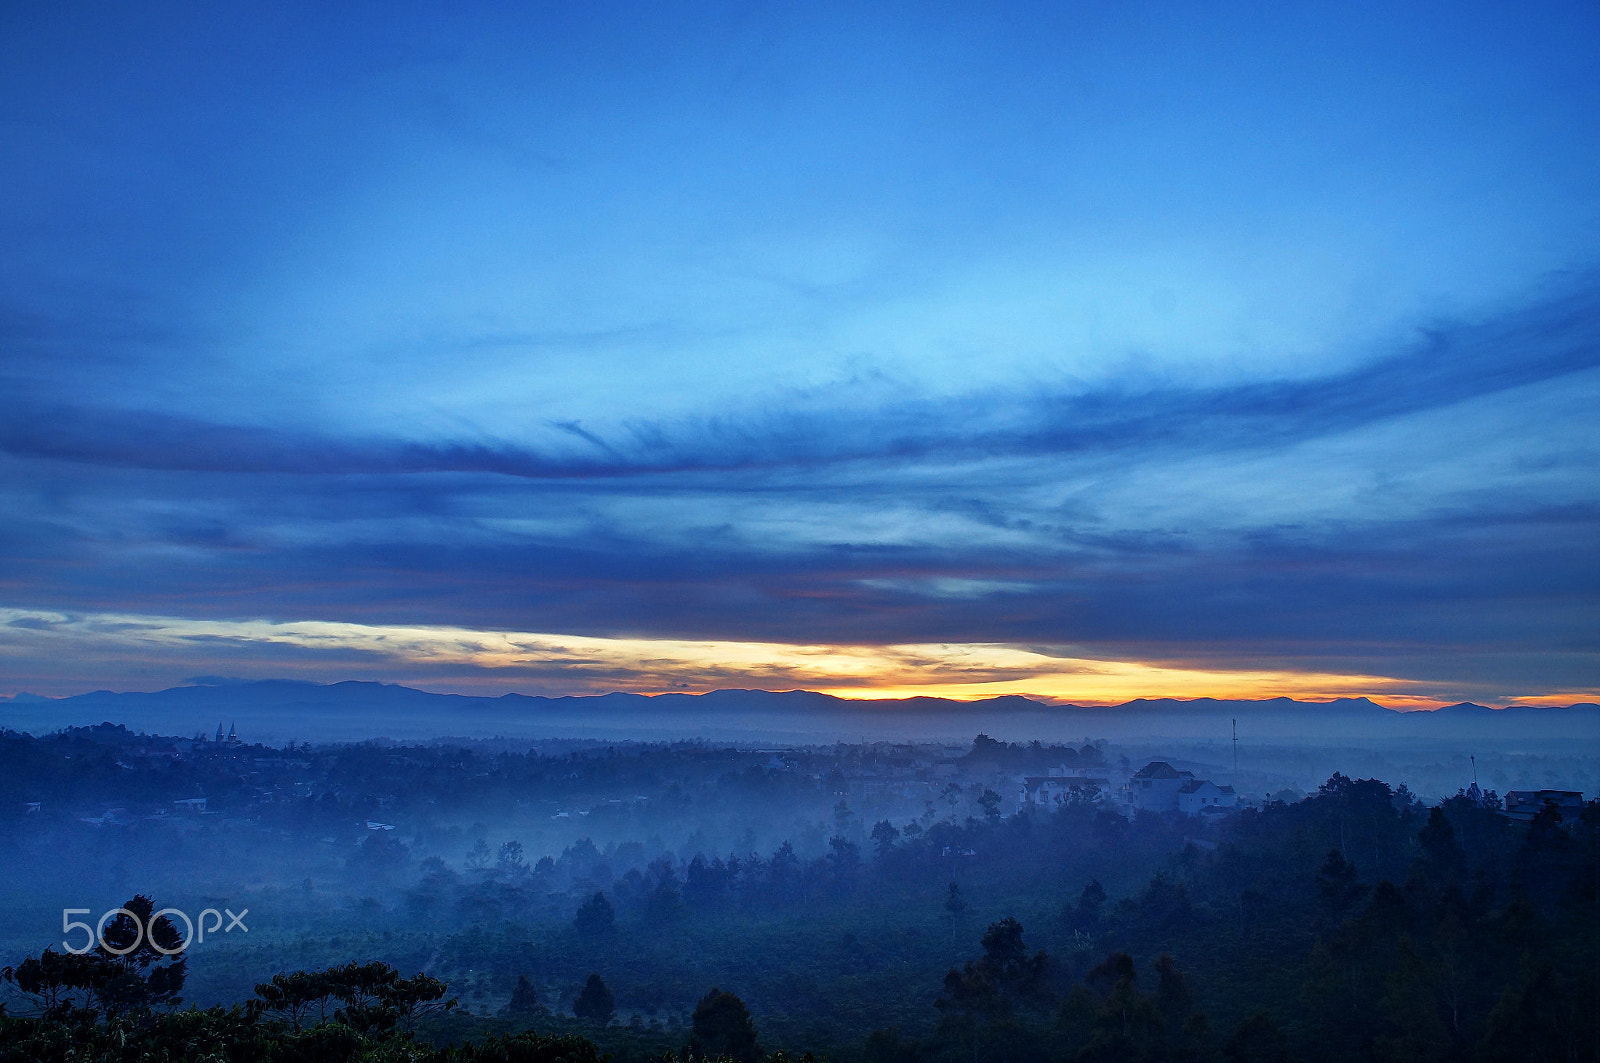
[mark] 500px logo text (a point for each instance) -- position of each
(194, 929)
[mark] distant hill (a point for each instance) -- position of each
(279, 708)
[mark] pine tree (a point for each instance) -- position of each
(1085, 915)
(1442, 858)
(955, 906)
(595, 1003)
(596, 917)
(884, 834)
(524, 998)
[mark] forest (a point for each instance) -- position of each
(875, 903)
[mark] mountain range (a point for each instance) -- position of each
(275, 709)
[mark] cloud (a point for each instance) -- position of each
(566, 663)
(1452, 365)
(1435, 503)
(731, 329)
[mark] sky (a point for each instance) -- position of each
(1089, 351)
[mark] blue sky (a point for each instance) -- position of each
(1084, 350)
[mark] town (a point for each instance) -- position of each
(561, 790)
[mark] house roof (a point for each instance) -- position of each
(1569, 798)
(1160, 769)
(1194, 785)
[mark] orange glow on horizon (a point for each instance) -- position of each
(1556, 700)
(461, 659)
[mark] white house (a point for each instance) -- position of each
(1155, 786)
(1159, 787)
(1203, 795)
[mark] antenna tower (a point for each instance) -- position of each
(1236, 751)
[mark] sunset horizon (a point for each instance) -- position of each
(463, 661)
(766, 532)
(1078, 353)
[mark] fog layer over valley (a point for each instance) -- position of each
(864, 892)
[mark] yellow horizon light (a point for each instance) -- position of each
(958, 671)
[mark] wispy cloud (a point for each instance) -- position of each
(1449, 366)
(521, 326)
(573, 664)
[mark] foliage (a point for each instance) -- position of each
(524, 998)
(722, 1029)
(595, 1002)
(1353, 924)
(127, 969)
(595, 917)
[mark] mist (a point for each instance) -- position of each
(784, 845)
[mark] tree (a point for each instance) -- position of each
(1128, 1024)
(53, 979)
(985, 748)
(783, 872)
(294, 995)
(722, 1029)
(1337, 887)
(1108, 972)
(886, 1046)
(595, 1002)
(1442, 858)
(1076, 1017)
(365, 1029)
(380, 856)
(1416, 1028)
(1172, 991)
(1187, 1033)
(135, 964)
(1006, 961)
(1005, 975)
(1085, 915)
(884, 835)
(844, 861)
(952, 794)
(980, 1000)
(955, 906)
(706, 882)
(595, 917)
(524, 998)
(989, 801)
(666, 902)
(510, 861)
(150, 975)
(1257, 1040)
(374, 998)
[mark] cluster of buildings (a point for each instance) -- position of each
(1525, 804)
(1156, 787)
(1159, 787)
(921, 780)
(910, 774)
